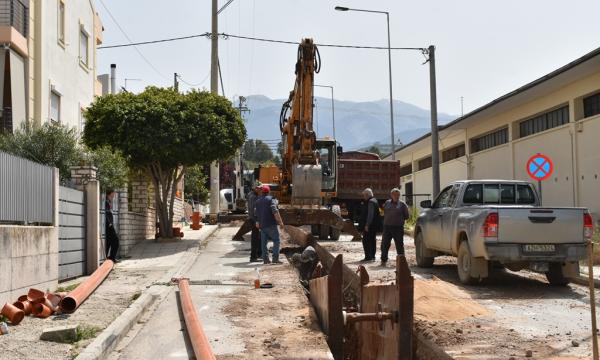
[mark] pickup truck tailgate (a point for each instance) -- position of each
(540, 225)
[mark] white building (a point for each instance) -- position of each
(50, 61)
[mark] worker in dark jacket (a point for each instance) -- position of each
(395, 214)
(254, 195)
(372, 224)
(267, 219)
(112, 239)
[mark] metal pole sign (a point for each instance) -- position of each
(539, 168)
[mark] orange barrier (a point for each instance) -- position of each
(198, 338)
(76, 297)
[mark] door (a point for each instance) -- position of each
(408, 193)
(435, 238)
(448, 219)
(71, 234)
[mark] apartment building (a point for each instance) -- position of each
(557, 115)
(49, 61)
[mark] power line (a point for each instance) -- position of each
(226, 36)
(130, 41)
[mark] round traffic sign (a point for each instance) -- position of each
(540, 167)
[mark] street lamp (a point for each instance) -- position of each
(332, 107)
(387, 15)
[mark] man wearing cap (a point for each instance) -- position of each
(267, 219)
(254, 195)
(394, 216)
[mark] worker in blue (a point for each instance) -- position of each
(267, 219)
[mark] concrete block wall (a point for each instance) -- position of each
(28, 258)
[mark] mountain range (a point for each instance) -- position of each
(358, 125)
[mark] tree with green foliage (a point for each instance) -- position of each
(51, 144)
(164, 132)
(112, 167)
(375, 150)
(257, 152)
(195, 184)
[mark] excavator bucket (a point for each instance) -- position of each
(306, 189)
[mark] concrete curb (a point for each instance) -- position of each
(584, 281)
(110, 337)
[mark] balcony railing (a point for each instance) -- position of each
(16, 14)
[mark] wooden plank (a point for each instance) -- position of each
(377, 344)
(405, 283)
(335, 298)
(319, 300)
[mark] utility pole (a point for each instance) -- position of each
(435, 152)
(239, 169)
(214, 88)
(175, 82)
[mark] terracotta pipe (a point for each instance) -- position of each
(23, 305)
(13, 313)
(34, 294)
(41, 310)
(54, 300)
(198, 338)
(76, 297)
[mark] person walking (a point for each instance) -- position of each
(371, 218)
(267, 219)
(254, 195)
(395, 213)
(112, 239)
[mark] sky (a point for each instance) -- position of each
(484, 49)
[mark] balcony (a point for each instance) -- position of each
(16, 14)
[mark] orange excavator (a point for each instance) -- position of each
(307, 178)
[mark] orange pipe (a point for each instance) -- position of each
(13, 313)
(202, 348)
(41, 310)
(76, 297)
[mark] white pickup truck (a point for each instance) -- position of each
(491, 223)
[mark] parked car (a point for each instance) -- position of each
(487, 223)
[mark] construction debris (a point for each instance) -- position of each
(61, 334)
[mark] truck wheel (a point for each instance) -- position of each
(422, 261)
(464, 264)
(555, 275)
(335, 233)
(323, 232)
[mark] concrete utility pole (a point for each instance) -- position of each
(214, 88)
(435, 152)
(113, 78)
(239, 169)
(175, 82)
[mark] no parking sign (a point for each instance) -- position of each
(540, 168)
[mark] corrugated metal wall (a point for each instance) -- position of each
(25, 191)
(71, 234)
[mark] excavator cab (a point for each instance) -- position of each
(326, 151)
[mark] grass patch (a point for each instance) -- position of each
(135, 296)
(67, 288)
(87, 332)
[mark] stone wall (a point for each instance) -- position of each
(28, 258)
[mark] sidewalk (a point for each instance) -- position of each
(150, 261)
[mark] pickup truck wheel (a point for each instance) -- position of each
(422, 261)
(323, 232)
(555, 275)
(464, 263)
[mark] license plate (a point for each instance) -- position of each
(539, 248)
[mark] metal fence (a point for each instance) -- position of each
(26, 191)
(16, 14)
(71, 234)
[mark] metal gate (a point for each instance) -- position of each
(115, 211)
(71, 233)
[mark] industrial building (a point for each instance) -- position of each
(557, 115)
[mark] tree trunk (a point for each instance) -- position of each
(165, 180)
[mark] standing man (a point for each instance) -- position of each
(253, 195)
(112, 239)
(395, 214)
(372, 224)
(267, 219)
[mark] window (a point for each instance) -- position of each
(424, 163)
(477, 194)
(545, 121)
(61, 22)
(453, 153)
(406, 170)
(591, 105)
(54, 106)
(83, 47)
(490, 140)
(443, 199)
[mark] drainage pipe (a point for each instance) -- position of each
(76, 297)
(198, 338)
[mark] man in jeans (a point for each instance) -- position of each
(255, 246)
(267, 219)
(395, 214)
